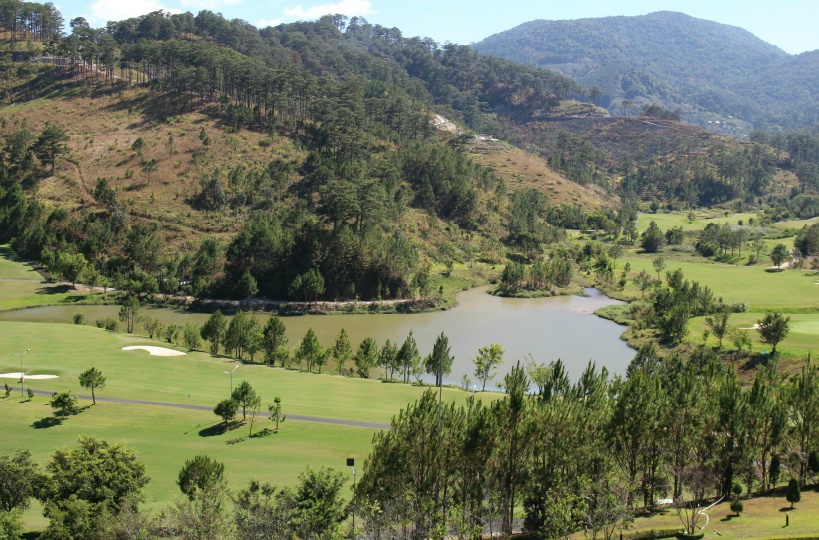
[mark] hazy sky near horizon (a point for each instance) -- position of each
(788, 24)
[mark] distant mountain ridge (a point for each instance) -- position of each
(675, 60)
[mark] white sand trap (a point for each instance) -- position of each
(155, 351)
(754, 327)
(26, 377)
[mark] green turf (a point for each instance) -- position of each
(21, 286)
(197, 378)
(796, 224)
(12, 267)
(680, 219)
(165, 438)
(763, 517)
(753, 285)
(803, 336)
(24, 294)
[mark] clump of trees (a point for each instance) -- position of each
(554, 272)
(588, 453)
(93, 491)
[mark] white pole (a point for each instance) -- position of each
(231, 377)
(22, 377)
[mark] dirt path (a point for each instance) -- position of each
(297, 417)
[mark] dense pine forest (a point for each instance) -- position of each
(586, 455)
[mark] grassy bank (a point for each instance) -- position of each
(763, 517)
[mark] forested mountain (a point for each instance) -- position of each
(294, 162)
(708, 70)
(304, 162)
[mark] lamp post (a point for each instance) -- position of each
(22, 377)
(351, 465)
(231, 377)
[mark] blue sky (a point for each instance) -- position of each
(788, 24)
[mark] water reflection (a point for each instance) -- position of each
(545, 328)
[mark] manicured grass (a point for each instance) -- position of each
(796, 224)
(11, 267)
(803, 336)
(165, 438)
(197, 378)
(763, 517)
(21, 286)
(680, 219)
(23, 294)
(753, 285)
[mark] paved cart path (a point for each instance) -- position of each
(297, 417)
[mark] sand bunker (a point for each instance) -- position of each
(154, 351)
(754, 327)
(26, 377)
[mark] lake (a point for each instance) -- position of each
(546, 328)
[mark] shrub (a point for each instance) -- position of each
(736, 506)
(793, 495)
(78, 318)
(652, 239)
(652, 534)
(706, 249)
(11, 524)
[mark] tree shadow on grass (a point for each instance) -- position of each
(47, 422)
(217, 429)
(54, 289)
(266, 432)
(787, 509)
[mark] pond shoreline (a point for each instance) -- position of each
(530, 330)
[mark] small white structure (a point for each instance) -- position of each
(154, 351)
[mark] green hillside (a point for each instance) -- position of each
(308, 161)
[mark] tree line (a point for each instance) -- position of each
(589, 454)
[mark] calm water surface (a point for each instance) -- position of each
(546, 328)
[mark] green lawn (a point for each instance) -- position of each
(804, 334)
(796, 224)
(11, 267)
(165, 438)
(680, 219)
(763, 517)
(21, 286)
(197, 378)
(753, 285)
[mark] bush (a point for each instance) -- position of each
(11, 524)
(78, 318)
(793, 494)
(736, 506)
(706, 249)
(652, 239)
(652, 534)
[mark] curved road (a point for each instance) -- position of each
(336, 421)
